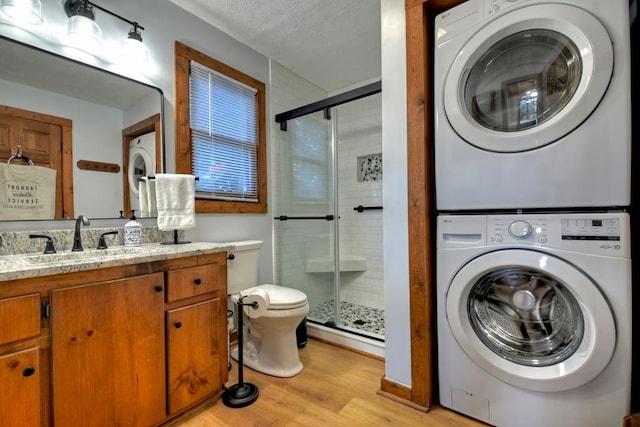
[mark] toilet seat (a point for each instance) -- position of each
(280, 297)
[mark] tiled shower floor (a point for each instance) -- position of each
(352, 316)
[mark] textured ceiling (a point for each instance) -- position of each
(331, 43)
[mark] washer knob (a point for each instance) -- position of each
(520, 229)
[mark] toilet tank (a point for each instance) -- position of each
(242, 270)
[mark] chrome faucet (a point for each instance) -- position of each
(77, 240)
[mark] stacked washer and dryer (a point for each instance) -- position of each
(532, 174)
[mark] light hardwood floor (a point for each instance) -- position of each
(336, 388)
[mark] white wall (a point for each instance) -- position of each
(395, 221)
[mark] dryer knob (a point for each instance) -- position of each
(520, 229)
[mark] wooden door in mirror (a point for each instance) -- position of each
(46, 141)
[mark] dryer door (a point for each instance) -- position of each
(531, 319)
(528, 78)
(140, 164)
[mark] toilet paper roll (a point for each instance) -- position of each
(261, 298)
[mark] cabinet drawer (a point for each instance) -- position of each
(19, 318)
(189, 282)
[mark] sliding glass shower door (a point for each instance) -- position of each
(328, 209)
(305, 223)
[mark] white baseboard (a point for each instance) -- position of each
(356, 342)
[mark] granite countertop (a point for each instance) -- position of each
(22, 266)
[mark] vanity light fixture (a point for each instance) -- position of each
(23, 11)
(84, 27)
(133, 50)
(82, 30)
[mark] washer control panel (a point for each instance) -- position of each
(604, 233)
(591, 229)
(531, 230)
(558, 230)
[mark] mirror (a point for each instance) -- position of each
(109, 115)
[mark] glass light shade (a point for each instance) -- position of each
(134, 52)
(23, 11)
(84, 34)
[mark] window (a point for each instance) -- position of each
(220, 133)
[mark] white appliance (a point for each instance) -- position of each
(532, 104)
(534, 318)
(142, 162)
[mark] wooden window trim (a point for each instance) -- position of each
(183, 54)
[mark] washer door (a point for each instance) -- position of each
(528, 78)
(140, 164)
(531, 320)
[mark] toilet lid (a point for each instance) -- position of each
(280, 297)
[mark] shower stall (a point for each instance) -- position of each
(328, 204)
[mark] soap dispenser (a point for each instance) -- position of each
(132, 231)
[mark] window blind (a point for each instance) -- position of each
(224, 135)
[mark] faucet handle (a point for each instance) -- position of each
(49, 248)
(102, 244)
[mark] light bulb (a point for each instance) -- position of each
(23, 11)
(133, 51)
(84, 34)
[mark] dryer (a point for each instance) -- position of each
(532, 105)
(142, 162)
(534, 318)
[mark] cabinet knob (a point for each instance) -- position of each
(28, 371)
(178, 325)
(197, 281)
(158, 288)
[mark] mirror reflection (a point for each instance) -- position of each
(96, 132)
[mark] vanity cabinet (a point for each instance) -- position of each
(108, 353)
(20, 377)
(196, 333)
(130, 345)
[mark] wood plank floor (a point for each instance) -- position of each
(336, 388)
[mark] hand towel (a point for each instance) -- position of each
(144, 197)
(175, 198)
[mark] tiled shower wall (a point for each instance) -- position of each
(359, 134)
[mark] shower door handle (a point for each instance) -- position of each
(361, 208)
(286, 218)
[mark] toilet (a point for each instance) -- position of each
(270, 343)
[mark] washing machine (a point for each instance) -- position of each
(532, 105)
(534, 318)
(142, 162)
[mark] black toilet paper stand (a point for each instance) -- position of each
(241, 394)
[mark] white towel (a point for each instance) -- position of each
(176, 201)
(144, 197)
(152, 205)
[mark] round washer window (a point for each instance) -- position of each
(523, 80)
(525, 316)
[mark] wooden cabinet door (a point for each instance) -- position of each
(20, 386)
(108, 365)
(196, 352)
